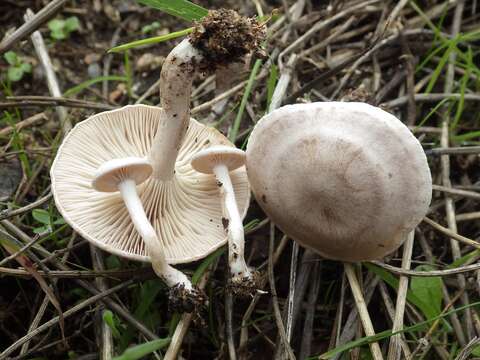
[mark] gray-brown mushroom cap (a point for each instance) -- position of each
(185, 211)
(347, 180)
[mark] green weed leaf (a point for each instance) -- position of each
(71, 24)
(429, 291)
(26, 67)
(139, 351)
(392, 281)
(110, 321)
(11, 58)
(42, 216)
(58, 34)
(15, 73)
(56, 25)
(150, 27)
(476, 351)
(61, 29)
(180, 8)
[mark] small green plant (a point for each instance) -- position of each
(61, 28)
(44, 218)
(151, 27)
(17, 68)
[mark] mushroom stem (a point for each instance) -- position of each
(167, 273)
(232, 223)
(178, 72)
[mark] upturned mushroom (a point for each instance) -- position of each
(220, 161)
(124, 175)
(180, 203)
(347, 180)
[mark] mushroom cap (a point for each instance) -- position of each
(110, 174)
(347, 180)
(205, 160)
(185, 211)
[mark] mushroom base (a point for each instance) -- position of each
(181, 299)
(245, 285)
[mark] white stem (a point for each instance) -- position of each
(236, 241)
(178, 72)
(169, 274)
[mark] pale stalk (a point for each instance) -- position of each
(167, 273)
(176, 79)
(233, 224)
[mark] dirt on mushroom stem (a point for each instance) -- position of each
(245, 286)
(223, 37)
(181, 300)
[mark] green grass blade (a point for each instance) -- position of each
(243, 103)
(271, 82)
(205, 264)
(467, 136)
(432, 112)
(18, 144)
(429, 57)
(149, 41)
(128, 72)
(110, 321)
(139, 351)
(80, 87)
(471, 36)
(386, 334)
(464, 259)
(180, 8)
(463, 86)
(441, 64)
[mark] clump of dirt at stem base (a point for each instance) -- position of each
(224, 37)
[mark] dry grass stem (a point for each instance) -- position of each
(362, 309)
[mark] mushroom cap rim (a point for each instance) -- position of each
(205, 160)
(106, 178)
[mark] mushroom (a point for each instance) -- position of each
(184, 212)
(124, 175)
(347, 180)
(181, 204)
(220, 160)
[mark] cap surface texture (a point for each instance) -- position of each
(185, 212)
(347, 180)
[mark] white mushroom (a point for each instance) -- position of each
(185, 212)
(347, 180)
(181, 204)
(220, 160)
(124, 175)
